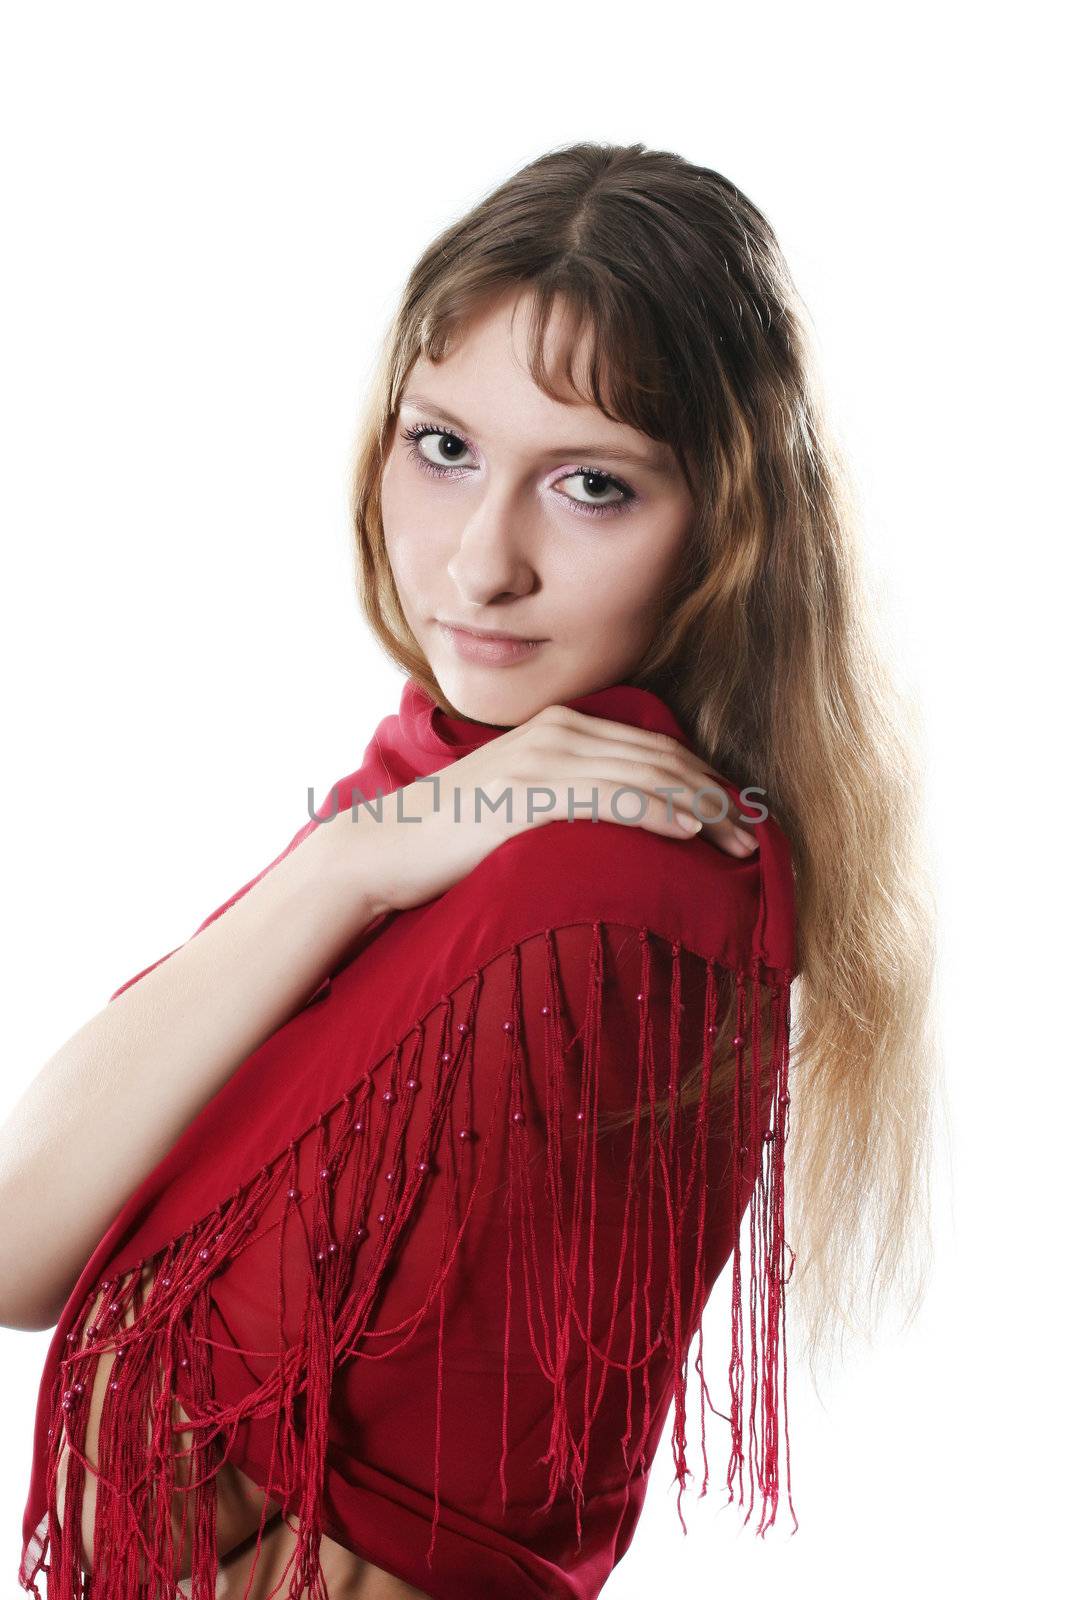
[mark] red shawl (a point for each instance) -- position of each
(401, 1271)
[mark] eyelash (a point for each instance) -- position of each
(420, 429)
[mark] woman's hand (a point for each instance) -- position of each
(525, 777)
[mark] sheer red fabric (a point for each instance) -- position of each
(411, 1270)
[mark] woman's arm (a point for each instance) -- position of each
(106, 1108)
(110, 1104)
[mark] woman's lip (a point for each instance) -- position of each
(495, 652)
(485, 633)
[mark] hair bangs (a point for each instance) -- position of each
(602, 350)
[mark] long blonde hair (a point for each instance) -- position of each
(768, 650)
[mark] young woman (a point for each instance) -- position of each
(413, 1170)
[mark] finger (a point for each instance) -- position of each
(596, 735)
(689, 786)
(640, 792)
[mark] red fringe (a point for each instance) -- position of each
(148, 1336)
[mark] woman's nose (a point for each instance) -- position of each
(494, 554)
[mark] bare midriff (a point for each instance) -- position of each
(238, 1512)
(347, 1576)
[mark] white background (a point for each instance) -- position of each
(209, 212)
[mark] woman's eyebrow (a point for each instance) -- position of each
(656, 460)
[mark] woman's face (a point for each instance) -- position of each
(492, 521)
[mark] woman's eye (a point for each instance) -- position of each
(597, 485)
(439, 451)
(443, 449)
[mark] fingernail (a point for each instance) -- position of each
(748, 840)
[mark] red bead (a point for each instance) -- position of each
(768, 1136)
(445, 1056)
(292, 1194)
(461, 1027)
(507, 1026)
(518, 1116)
(359, 1127)
(580, 1116)
(544, 1011)
(389, 1096)
(324, 1172)
(464, 1133)
(184, 1363)
(78, 1388)
(413, 1083)
(332, 1248)
(320, 1255)
(423, 1166)
(113, 1385)
(738, 1039)
(361, 1232)
(640, 994)
(204, 1254)
(381, 1216)
(165, 1282)
(389, 1176)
